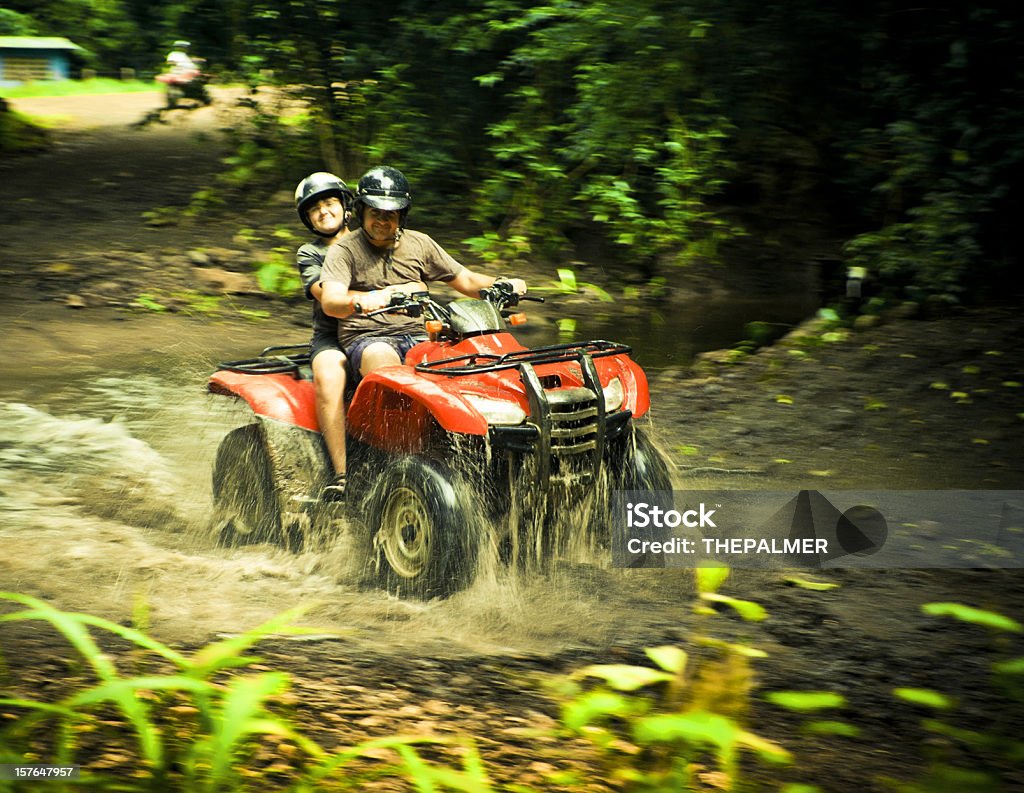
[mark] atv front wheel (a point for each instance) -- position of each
(644, 470)
(244, 497)
(424, 530)
(644, 467)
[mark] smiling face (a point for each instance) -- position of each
(380, 225)
(327, 215)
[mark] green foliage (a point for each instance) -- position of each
(804, 583)
(150, 303)
(924, 696)
(96, 85)
(653, 129)
(581, 142)
(197, 719)
(929, 253)
(112, 33)
(226, 715)
(655, 726)
(267, 149)
(567, 284)
(972, 615)
(14, 24)
(937, 172)
(982, 761)
(231, 709)
(491, 247)
(806, 700)
(277, 273)
(19, 134)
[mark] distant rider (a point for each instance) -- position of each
(180, 63)
(381, 258)
(322, 201)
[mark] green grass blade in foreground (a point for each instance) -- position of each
(228, 652)
(73, 629)
(338, 761)
(129, 634)
(243, 713)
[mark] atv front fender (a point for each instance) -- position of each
(634, 381)
(394, 405)
(276, 396)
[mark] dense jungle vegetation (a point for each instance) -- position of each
(887, 134)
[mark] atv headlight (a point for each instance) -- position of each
(614, 394)
(496, 411)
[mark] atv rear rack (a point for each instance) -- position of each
(274, 360)
(557, 353)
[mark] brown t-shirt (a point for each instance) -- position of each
(361, 267)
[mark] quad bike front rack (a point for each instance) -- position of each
(569, 428)
(478, 363)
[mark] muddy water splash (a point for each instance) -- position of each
(105, 505)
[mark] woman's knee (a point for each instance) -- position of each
(329, 369)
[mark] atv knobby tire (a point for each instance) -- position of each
(642, 469)
(245, 500)
(264, 479)
(424, 529)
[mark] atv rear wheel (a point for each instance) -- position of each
(424, 530)
(244, 497)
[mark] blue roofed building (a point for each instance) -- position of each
(27, 58)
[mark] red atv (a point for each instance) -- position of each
(475, 443)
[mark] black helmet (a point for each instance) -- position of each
(316, 186)
(384, 188)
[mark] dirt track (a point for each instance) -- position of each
(72, 217)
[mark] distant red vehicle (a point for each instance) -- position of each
(185, 84)
(476, 439)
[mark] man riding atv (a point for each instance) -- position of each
(468, 447)
(364, 270)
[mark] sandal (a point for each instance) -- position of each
(335, 491)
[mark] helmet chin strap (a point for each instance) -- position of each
(390, 253)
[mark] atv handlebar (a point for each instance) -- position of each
(414, 304)
(501, 295)
(401, 303)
